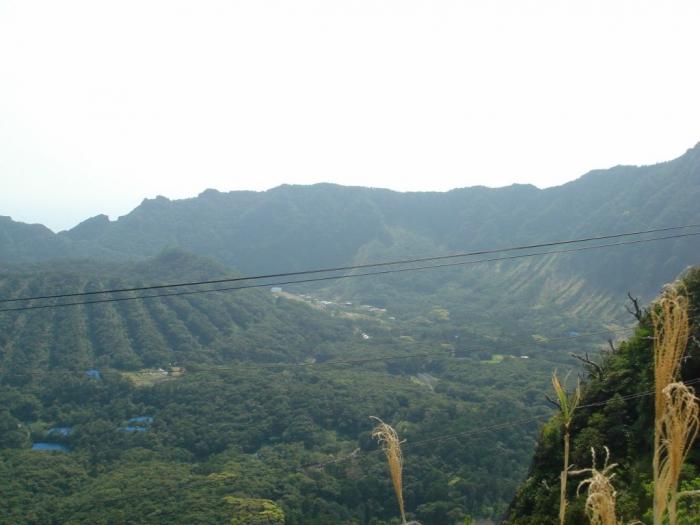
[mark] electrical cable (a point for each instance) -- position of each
(351, 267)
(348, 276)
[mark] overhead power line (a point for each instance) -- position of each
(352, 275)
(350, 267)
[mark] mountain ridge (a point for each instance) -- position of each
(213, 191)
(247, 411)
(292, 228)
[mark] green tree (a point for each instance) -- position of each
(249, 511)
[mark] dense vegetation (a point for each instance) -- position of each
(205, 408)
(624, 424)
(233, 434)
(234, 423)
(158, 332)
(246, 434)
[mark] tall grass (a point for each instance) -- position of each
(601, 498)
(679, 428)
(391, 445)
(671, 329)
(567, 405)
(676, 407)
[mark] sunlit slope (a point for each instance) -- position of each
(203, 328)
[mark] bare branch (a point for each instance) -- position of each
(636, 311)
(612, 346)
(590, 365)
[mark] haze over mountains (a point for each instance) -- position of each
(258, 396)
(292, 228)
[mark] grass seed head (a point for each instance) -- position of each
(389, 441)
(679, 428)
(675, 406)
(601, 498)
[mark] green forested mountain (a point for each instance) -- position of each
(298, 227)
(192, 329)
(625, 424)
(198, 408)
(230, 420)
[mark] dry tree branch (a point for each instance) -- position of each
(591, 366)
(637, 312)
(389, 441)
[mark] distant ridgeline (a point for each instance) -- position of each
(624, 425)
(213, 407)
(298, 227)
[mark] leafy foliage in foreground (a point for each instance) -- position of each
(625, 424)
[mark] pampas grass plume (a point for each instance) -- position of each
(391, 445)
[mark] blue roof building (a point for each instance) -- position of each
(132, 429)
(142, 419)
(50, 447)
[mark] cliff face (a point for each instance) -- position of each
(624, 423)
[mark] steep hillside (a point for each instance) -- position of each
(624, 424)
(298, 227)
(21, 242)
(210, 328)
(255, 385)
(293, 227)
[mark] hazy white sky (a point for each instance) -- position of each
(103, 103)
